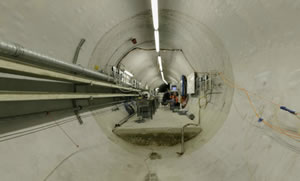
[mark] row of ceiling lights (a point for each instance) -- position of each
(154, 6)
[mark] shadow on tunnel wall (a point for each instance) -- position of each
(19, 115)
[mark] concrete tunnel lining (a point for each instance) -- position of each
(146, 68)
(261, 43)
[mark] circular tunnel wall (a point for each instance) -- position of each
(187, 46)
(260, 41)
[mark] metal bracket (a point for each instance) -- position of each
(75, 58)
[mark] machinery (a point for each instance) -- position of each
(147, 107)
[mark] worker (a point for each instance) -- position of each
(174, 101)
(172, 95)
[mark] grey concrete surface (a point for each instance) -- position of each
(255, 43)
(165, 129)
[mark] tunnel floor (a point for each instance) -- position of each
(165, 129)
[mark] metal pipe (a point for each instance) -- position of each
(29, 56)
(36, 96)
(21, 69)
(182, 137)
(189, 124)
(124, 120)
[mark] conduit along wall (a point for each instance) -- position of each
(18, 94)
(249, 126)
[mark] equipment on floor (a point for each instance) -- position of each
(173, 88)
(166, 98)
(191, 83)
(130, 108)
(183, 83)
(147, 107)
(183, 92)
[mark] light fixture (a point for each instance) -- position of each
(154, 6)
(128, 73)
(159, 63)
(156, 37)
(165, 81)
(163, 78)
(162, 75)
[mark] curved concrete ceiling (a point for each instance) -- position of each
(255, 43)
(202, 48)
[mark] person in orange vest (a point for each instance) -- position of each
(172, 101)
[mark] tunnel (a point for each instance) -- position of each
(89, 89)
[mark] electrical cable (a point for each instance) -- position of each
(64, 131)
(288, 133)
(60, 163)
(36, 129)
(67, 158)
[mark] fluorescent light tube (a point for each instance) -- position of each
(163, 78)
(128, 73)
(159, 63)
(165, 81)
(154, 6)
(156, 37)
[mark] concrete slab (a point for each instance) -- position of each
(164, 136)
(164, 129)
